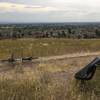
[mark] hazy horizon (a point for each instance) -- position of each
(49, 11)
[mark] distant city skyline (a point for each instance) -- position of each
(28, 11)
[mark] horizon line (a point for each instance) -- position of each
(48, 22)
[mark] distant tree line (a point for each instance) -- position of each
(76, 31)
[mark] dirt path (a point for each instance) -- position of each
(74, 55)
(59, 57)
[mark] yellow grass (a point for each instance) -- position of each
(46, 47)
(52, 80)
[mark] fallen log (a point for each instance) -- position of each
(28, 58)
(88, 71)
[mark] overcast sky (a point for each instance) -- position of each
(49, 10)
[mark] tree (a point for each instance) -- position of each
(63, 34)
(97, 33)
(69, 30)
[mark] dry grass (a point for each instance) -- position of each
(46, 47)
(51, 80)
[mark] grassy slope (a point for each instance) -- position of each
(48, 81)
(46, 47)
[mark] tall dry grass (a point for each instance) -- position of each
(43, 88)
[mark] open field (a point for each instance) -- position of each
(46, 47)
(51, 79)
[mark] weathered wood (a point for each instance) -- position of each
(88, 72)
(27, 59)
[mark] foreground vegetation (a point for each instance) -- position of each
(49, 81)
(37, 90)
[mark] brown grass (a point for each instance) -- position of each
(46, 47)
(51, 80)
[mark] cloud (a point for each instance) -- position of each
(13, 7)
(50, 10)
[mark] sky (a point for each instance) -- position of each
(49, 11)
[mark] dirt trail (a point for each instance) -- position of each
(59, 57)
(74, 55)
